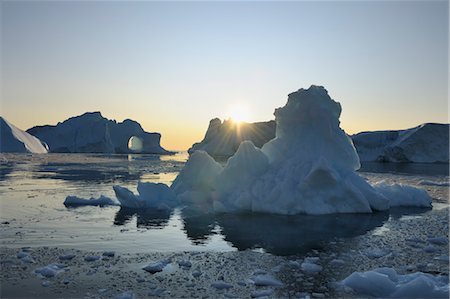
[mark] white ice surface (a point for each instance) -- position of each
(13, 139)
(151, 195)
(404, 195)
(386, 283)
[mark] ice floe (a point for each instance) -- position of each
(74, 201)
(386, 283)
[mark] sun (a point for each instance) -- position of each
(238, 113)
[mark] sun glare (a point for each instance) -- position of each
(238, 114)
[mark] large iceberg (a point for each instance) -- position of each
(222, 139)
(427, 143)
(14, 140)
(309, 167)
(92, 133)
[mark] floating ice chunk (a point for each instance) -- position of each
(421, 285)
(443, 258)
(311, 268)
(22, 254)
(185, 264)
(67, 257)
(156, 266)
(267, 280)
(92, 258)
(430, 249)
(370, 283)
(74, 201)
(46, 283)
(438, 240)
(404, 195)
(125, 295)
(337, 262)
(259, 272)
(377, 253)
(196, 273)
(156, 292)
(50, 270)
(151, 195)
(109, 253)
(261, 293)
(28, 259)
(385, 282)
(221, 285)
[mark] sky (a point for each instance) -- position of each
(173, 66)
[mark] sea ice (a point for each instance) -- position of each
(50, 270)
(67, 257)
(221, 285)
(311, 268)
(74, 201)
(438, 240)
(92, 258)
(385, 282)
(156, 266)
(261, 293)
(151, 195)
(125, 295)
(404, 195)
(266, 280)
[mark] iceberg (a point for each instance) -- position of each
(427, 143)
(151, 195)
(92, 133)
(222, 139)
(308, 168)
(14, 140)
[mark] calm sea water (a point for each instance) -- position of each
(34, 187)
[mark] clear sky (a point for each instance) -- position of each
(172, 66)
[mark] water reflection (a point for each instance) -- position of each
(146, 218)
(281, 235)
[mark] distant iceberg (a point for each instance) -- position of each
(14, 140)
(427, 143)
(222, 139)
(92, 133)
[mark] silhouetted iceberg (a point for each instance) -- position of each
(222, 139)
(92, 133)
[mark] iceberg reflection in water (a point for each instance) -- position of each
(275, 234)
(279, 234)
